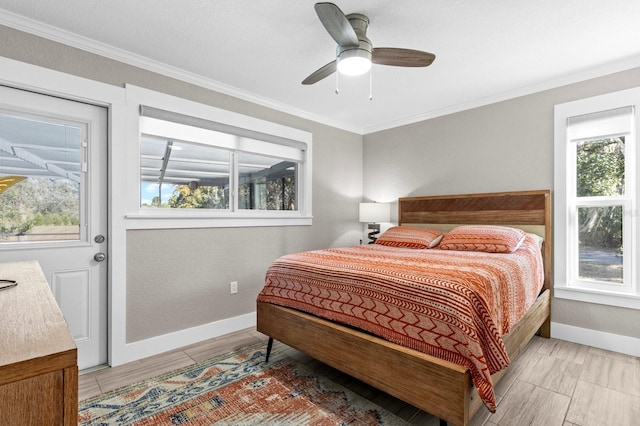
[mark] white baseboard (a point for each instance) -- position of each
(167, 342)
(598, 339)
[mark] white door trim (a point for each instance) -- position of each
(43, 80)
(78, 282)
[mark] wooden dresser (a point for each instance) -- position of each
(38, 357)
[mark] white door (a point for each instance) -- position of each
(53, 205)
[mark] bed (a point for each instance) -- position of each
(435, 385)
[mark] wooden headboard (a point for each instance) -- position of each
(529, 210)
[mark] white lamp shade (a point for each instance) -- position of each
(354, 62)
(375, 212)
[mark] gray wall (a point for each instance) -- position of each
(506, 146)
(180, 278)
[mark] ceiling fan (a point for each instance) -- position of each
(355, 53)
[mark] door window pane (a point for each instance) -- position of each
(600, 244)
(45, 157)
(600, 167)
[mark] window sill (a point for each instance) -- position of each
(159, 221)
(629, 301)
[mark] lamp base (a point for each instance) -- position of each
(374, 230)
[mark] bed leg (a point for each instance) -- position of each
(269, 347)
(545, 329)
(443, 422)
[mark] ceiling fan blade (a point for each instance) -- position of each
(401, 57)
(337, 24)
(321, 73)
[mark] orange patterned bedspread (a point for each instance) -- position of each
(450, 304)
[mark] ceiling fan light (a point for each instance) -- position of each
(354, 62)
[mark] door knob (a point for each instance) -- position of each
(99, 257)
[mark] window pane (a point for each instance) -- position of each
(40, 175)
(600, 167)
(266, 183)
(179, 174)
(600, 243)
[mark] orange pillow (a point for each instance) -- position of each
(487, 238)
(404, 236)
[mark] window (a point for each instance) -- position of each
(196, 161)
(596, 194)
(266, 183)
(181, 174)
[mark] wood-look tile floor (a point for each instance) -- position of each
(553, 382)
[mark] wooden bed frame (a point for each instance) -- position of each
(438, 387)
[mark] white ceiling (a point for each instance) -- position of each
(486, 51)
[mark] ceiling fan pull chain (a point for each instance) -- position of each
(337, 89)
(371, 84)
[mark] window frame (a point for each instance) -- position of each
(566, 284)
(148, 218)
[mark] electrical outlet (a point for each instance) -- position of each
(233, 287)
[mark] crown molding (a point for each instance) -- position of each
(102, 49)
(68, 38)
(599, 71)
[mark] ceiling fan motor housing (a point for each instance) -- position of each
(360, 24)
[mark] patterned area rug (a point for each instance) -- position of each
(236, 389)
